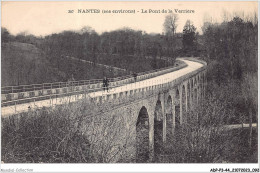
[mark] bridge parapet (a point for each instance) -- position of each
(151, 90)
(15, 93)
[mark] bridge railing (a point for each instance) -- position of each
(90, 93)
(34, 87)
(46, 97)
(11, 93)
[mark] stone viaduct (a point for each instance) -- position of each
(151, 112)
(156, 111)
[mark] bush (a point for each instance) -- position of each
(49, 136)
(71, 133)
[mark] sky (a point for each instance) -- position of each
(44, 18)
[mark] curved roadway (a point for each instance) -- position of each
(165, 78)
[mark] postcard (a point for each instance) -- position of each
(129, 86)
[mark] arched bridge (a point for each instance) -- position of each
(150, 108)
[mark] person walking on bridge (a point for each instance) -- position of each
(135, 76)
(71, 83)
(105, 84)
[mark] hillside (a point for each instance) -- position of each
(130, 62)
(23, 63)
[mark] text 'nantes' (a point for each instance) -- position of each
(88, 11)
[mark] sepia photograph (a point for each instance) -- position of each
(127, 85)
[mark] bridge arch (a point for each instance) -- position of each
(193, 81)
(195, 90)
(188, 95)
(177, 108)
(195, 96)
(142, 136)
(183, 103)
(191, 91)
(203, 84)
(169, 119)
(200, 86)
(158, 129)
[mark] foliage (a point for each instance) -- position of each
(49, 136)
(233, 45)
(170, 24)
(189, 36)
(5, 35)
(64, 134)
(231, 51)
(23, 63)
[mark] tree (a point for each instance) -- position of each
(189, 35)
(201, 138)
(249, 93)
(232, 46)
(170, 24)
(154, 53)
(86, 29)
(5, 35)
